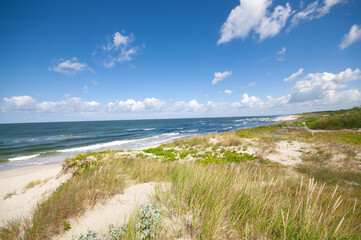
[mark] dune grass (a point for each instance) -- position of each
(247, 201)
(242, 201)
(94, 183)
(216, 190)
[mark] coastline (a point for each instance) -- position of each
(22, 202)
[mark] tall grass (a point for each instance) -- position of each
(69, 200)
(226, 201)
(248, 202)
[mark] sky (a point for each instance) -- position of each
(108, 60)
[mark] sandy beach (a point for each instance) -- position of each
(17, 202)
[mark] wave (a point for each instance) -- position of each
(140, 129)
(146, 141)
(169, 134)
(22, 158)
(111, 144)
(258, 119)
(190, 131)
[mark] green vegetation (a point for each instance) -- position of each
(227, 157)
(330, 175)
(169, 154)
(9, 195)
(342, 119)
(32, 184)
(220, 186)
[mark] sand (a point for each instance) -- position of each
(22, 202)
(287, 118)
(116, 211)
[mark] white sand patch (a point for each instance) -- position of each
(287, 118)
(22, 203)
(288, 153)
(214, 140)
(115, 211)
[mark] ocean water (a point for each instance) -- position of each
(25, 144)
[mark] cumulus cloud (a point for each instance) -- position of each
(294, 75)
(219, 76)
(319, 85)
(69, 67)
(353, 36)
(314, 10)
(252, 15)
(228, 91)
(130, 105)
(21, 103)
(191, 106)
(120, 49)
(29, 104)
(315, 91)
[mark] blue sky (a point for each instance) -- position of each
(100, 60)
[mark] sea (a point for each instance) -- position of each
(26, 144)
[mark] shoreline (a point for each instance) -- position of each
(34, 166)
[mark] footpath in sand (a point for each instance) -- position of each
(116, 211)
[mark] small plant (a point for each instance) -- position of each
(115, 233)
(90, 235)
(66, 225)
(140, 155)
(9, 195)
(150, 220)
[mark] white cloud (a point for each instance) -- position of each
(353, 36)
(69, 67)
(271, 25)
(294, 75)
(85, 89)
(252, 84)
(29, 104)
(130, 105)
(318, 85)
(277, 102)
(248, 102)
(21, 103)
(120, 39)
(315, 91)
(314, 10)
(252, 15)
(191, 106)
(120, 49)
(219, 76)
(228, 91)
(281, 54)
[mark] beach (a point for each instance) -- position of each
(278, 149)
(23, 201)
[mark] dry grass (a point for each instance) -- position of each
(254, 199)
(69, 200)
(249, 202)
